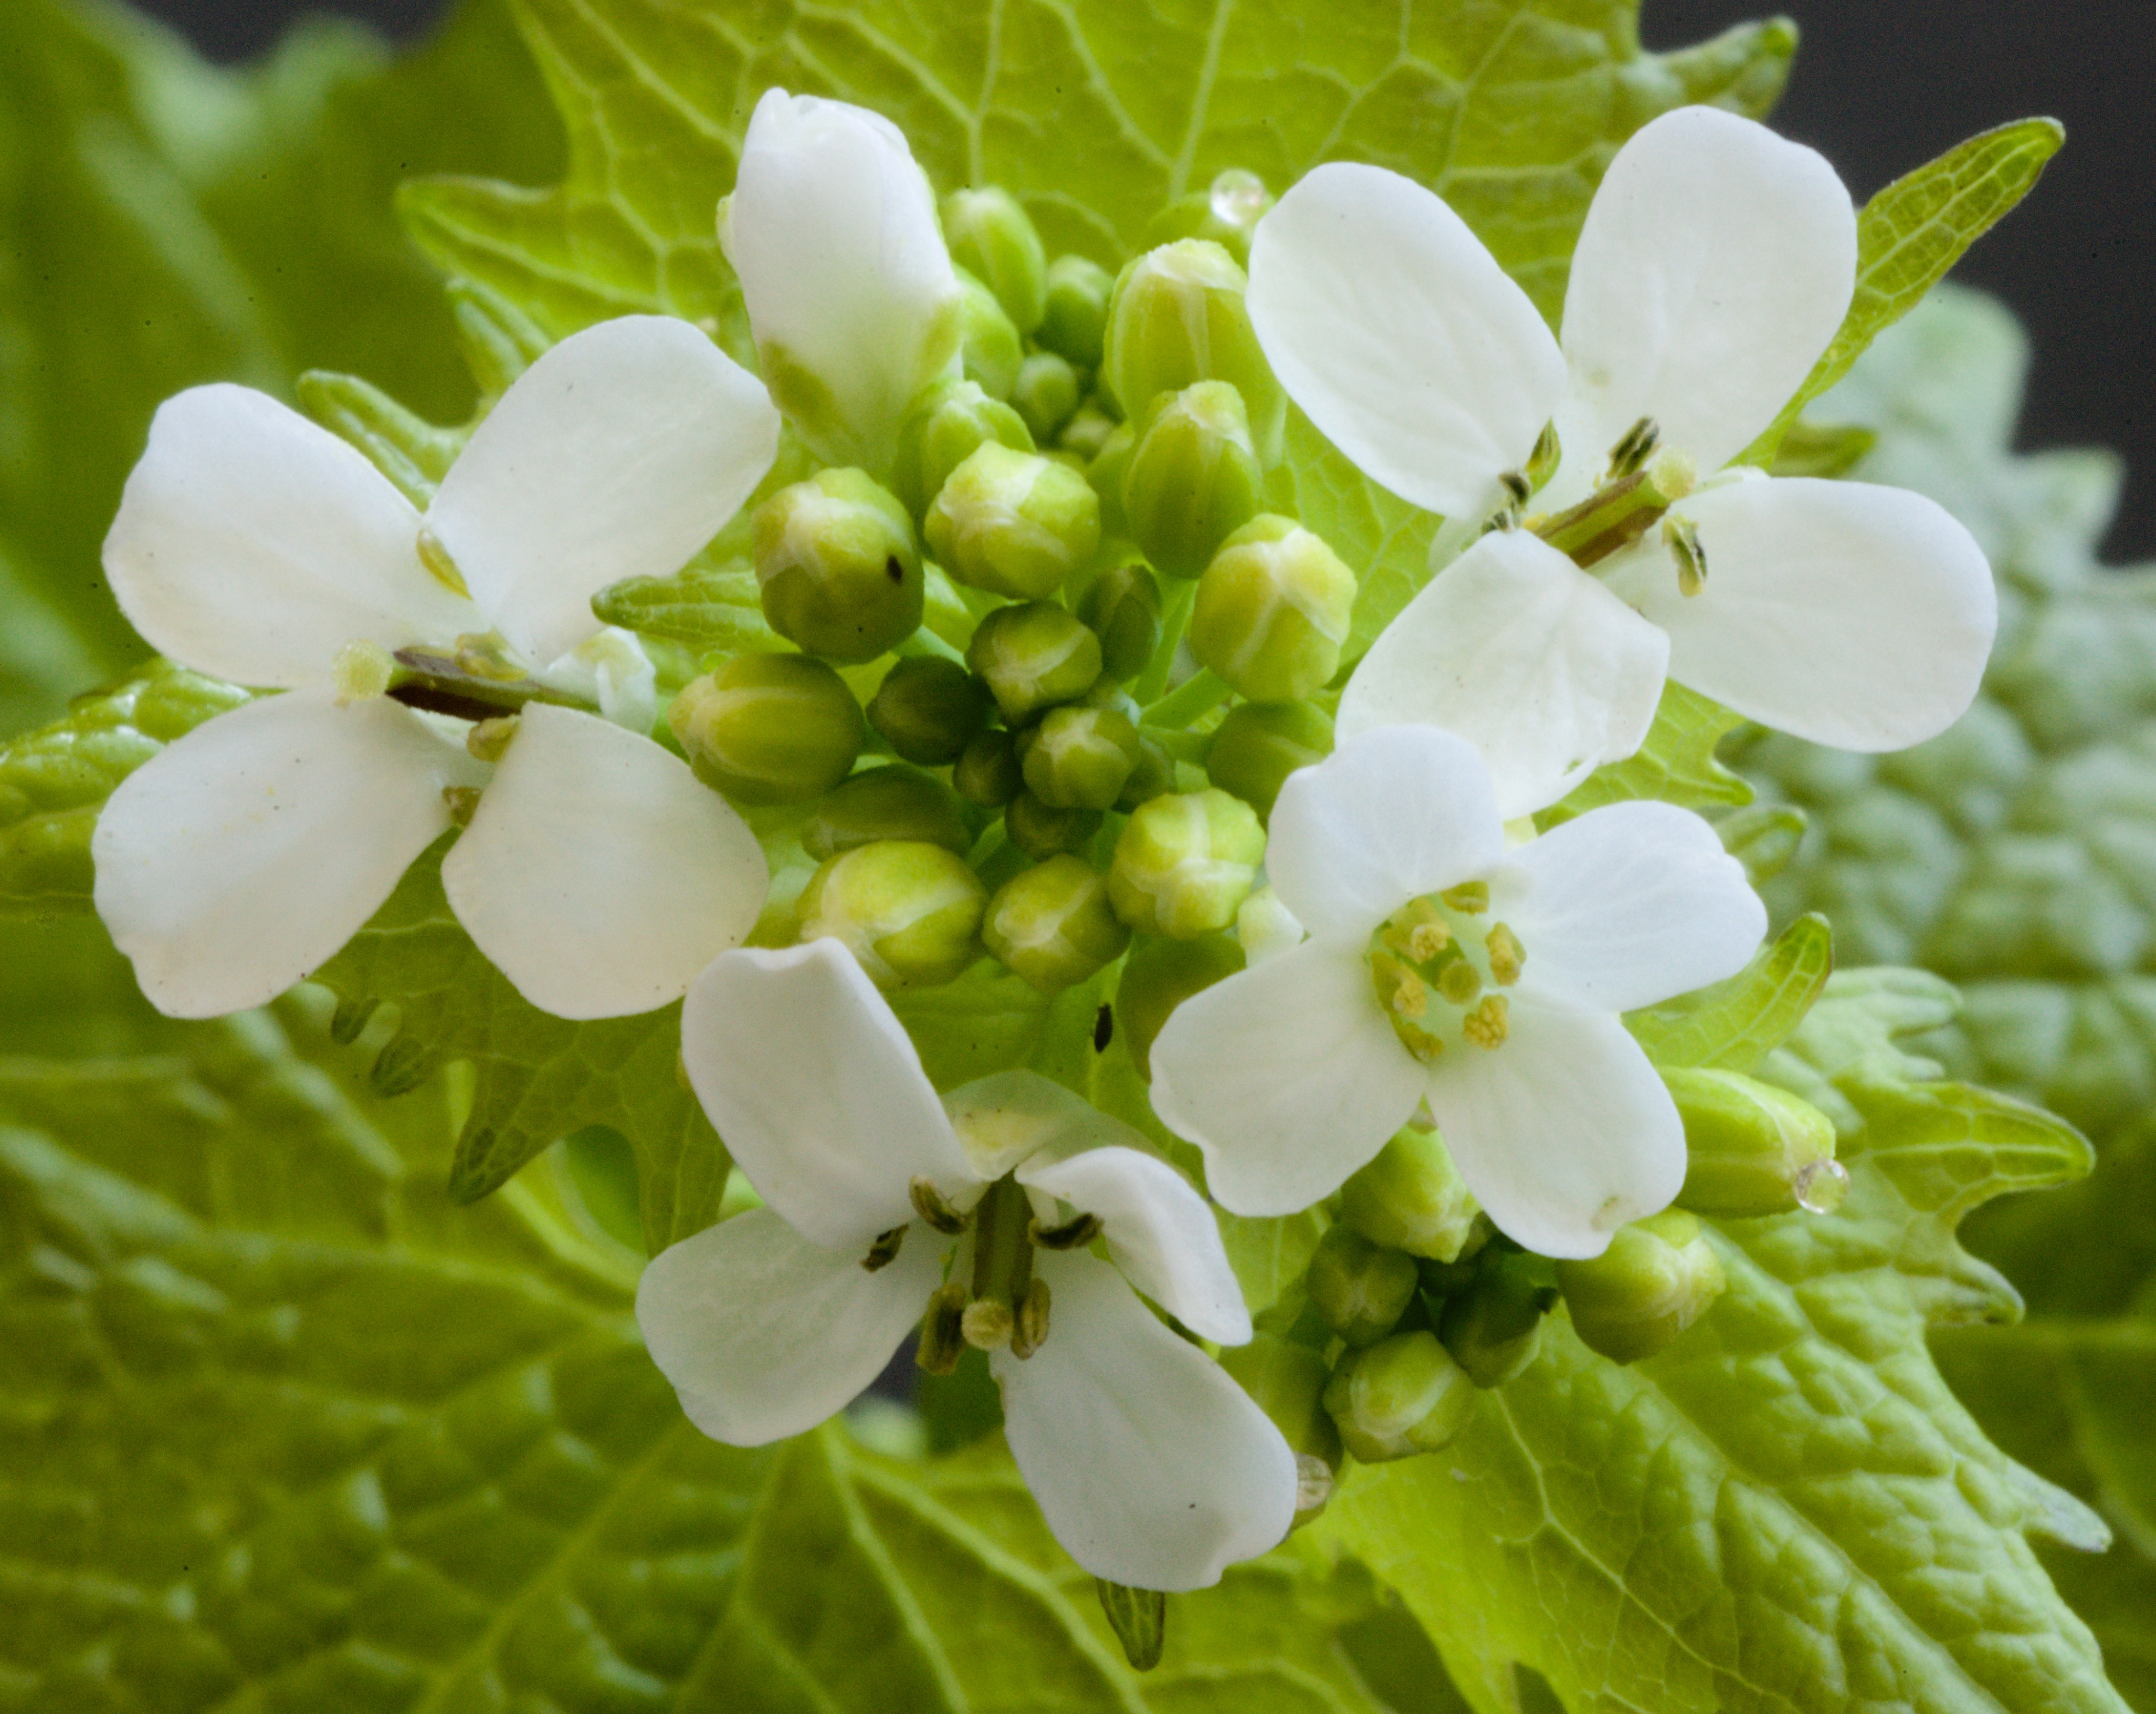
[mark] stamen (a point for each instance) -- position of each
(489, 741)
(1460, 983)
(483, 655)
(362, 669)
(1488, 1025)
(1507, 954)
(1030, 1331)
(463, 801)
(1681, 537)
(1471, 897)
(1424, 1046)
(436, 557)
(885, 1250)
(1426, 940)
(1399, 990)
(1633, 448)
(987, 1324)
(1548, 455)
(943, 1340)
(1074, 1234)
(935, 1207)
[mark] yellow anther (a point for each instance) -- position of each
(1426, 940)
(362, 669)
(1681, 537)
(1488, 1025)
(463, 801)
(1399, 990)
(1418, 1041)
(483, 655)
(1633, 448)
(1417, 932)
(943, 1341)
(435, 557)
(1030, 1331)
(885, 1250)
(935, 1207)
(1507, 954)
(489, 741)
(1471, 897)
(1460, 983)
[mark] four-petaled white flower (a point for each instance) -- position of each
(1716, 264)
(597, 873)
(1442, 967)
(1153, 1467)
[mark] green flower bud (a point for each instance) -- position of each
(1227, 211)
(1080, 757)
(911, 912)
(888, 803)
(1411, 1198)
(1159, 976)
(1034, 657)
(1259, 744)
(1361, 1290)
(992, 237)
(1286, 1381)
(1192, 478)
(1178, 316)
(1273, 609)
(1658, 1276)
(1041, 831)
(837, 566)
(929, 709)
(1053, 924)
(769, 728)
(1088, 432)
(989, 339)
(1074, 311)
(1121, 607)
(1152, 776)
(1184, 862)
(1013, 522)
(946, 424)
(1045, 394)
(1494, 1327)
(1755, 1149)
(988, 772)
(1402, 1396)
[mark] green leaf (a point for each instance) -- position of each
(1676, 764)
(1760, 1515)
(1731, 1026)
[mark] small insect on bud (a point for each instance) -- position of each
(1360, 1290)
(1286, 1381)
(1013, 523)
(946, 425)
(1260, 744)
(1754, 1149)
(1042, 831)
(1121, 607)
(1177, 315)
(1184, 862)
(1053, 924)
(888, 803)
(993, 239)
(988, 340)
(1402, 1396)
(769, 728)
(1079, 757)
(1658, 1276)
(1411, 1198)
(1192, 478)
(1075, 310)
(943, 1340)
(1159, 976)
(1273, 609)
(928, 709)
(837, 566)
(908, 911)
(1033, 657)
(1045, 395)
(988, 772)
(1494, 1327)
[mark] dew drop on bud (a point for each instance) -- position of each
(1313, 1485)
(1821, 1187)
(1237, 198)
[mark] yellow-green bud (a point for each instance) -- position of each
(1105, 473)
(888, 803)
(1754, 1149)
(1074, 311)
(1080, 757)
(1402, 1396)
(1494, 1328)
(943, 429)
(1411, 1198)
(1014, 523)
(1152, 776)
(1177, 316)
(1658, 1276)
(992, 237)
(837, 566)
(1360, 1290)
(1159, 976)
(988, 772)
(1260, 744)
(1053, 924)
(1045, 394)
(929, 709)
(1192, 478)
(1086, 433)
(1040, 831)
(1034, 657)
(1227, 211)
(769, 728)
(988, 338)
(1273, 609)
(1183, 863)
(909, 912)
(1121, 607)
(1286, 1381)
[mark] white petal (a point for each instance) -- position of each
(1389, 815)
(1843, 613)
(1532, 660)
(1286, 1076)
(832, 228)
(816, 1089)
(252, 545)
(618, 454)
(764, 1334)
(241, 857)
(1400, 336)
(1626, 906)
(1716, 263)
(1017, 1116)
(599, 876)
(1565, 1132)
(1152, 1468)
(1159, 1232)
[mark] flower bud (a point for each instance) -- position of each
(908, 911)
(1105, 473)
(1045, 394)
(1227, 211)
(992, 237)
(837, 566)
(1053, 924)
(1402, 1396)
(1177, 316)
(1494, 1327)
(943, 430)
(1754, 1149)
(929, 709)
(1014, 523)
(1034, 657)
(769, 728)
(1192, 478)
(1159, 976)
(1075, 309)
(1183, 863)
(987, 338)
(1121, 607)
(1087, 433)
(1259, 744)
(1411, 1198)
(1079, 757)
(988, 772)
(1658, 1276)
(1361, 1290)
(1152, 775)
(1041, 831)
(1273, 609)
(888, 803)
(1286, 1381)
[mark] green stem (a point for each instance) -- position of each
(1200, 693)
(1180, 746)
(1002, 1247)
(924, 643)
(1176, 602)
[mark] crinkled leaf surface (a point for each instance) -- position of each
(1731, 1026)
(1677, 763)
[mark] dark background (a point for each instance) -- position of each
(1881, 86)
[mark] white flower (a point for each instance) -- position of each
(1716, 264)
(1443, 968)
(252, 545)
(850, 294)
(1152, 1468)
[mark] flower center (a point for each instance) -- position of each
(996, 1304)
(1439, 967)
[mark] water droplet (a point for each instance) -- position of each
(1821, 1189)
(1239, 198)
